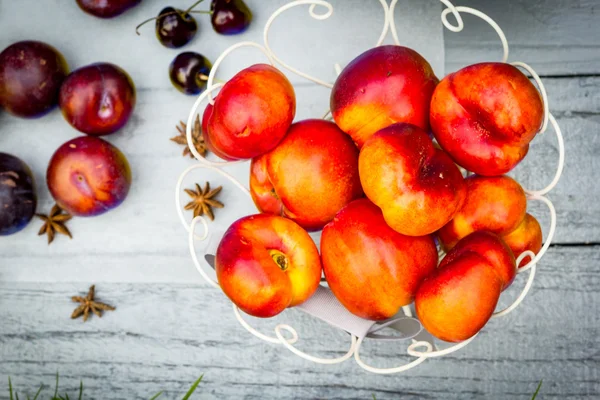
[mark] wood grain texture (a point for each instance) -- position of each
(162, 336)
(556, 37)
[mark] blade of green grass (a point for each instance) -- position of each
(56, 388)
(193, 388)
(38, 393)
(13, 395)
(537, 390)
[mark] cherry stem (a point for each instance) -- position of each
(204, 77)
(182, 14)
(193, 6)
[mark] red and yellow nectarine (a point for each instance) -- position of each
(251, 114)
(309, 176)
(496, 204)
(416, 185)
(372, 269)
(485, 115)
(527, 236)
(382, 86)
(458, 299)
(266, 263)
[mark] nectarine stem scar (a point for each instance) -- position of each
(280, 259)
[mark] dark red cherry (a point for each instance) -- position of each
(230, 17)
(106, 8)
(175, 28)
(189, 72)
(17, 194)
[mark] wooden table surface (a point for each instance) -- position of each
(169, 327)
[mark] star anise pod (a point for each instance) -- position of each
(55, 223)
(88, 304)
(203, 201)
(197, 138)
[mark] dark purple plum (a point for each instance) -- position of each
(175, 28)
(106, 8)
(189, 72)
(18, 198)
(30, 77)
(230, 17)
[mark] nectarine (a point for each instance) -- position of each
(458, 299)
(309, 176)
(485, 115)
(496, 204)
(266, 263)
(372, 269)
(527, 236)
(384, 85)
(417, 186)
(252, 113)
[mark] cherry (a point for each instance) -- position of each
(174, 27)
(230, 17)
(189, 72)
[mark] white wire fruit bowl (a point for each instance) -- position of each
(323, 304)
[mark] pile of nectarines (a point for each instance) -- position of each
(383, 182)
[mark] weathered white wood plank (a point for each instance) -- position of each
(554, 37)
(163, 336)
